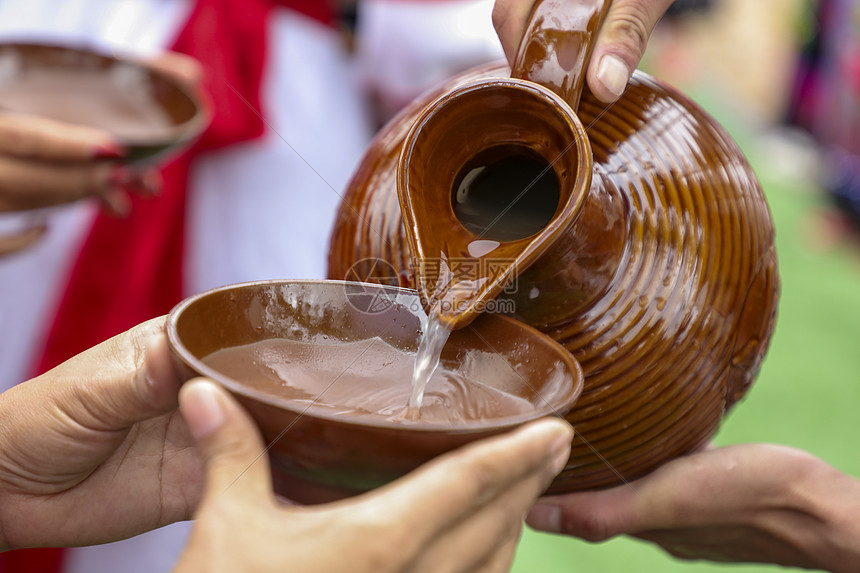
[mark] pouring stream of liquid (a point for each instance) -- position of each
(504, 193)
(435, 335)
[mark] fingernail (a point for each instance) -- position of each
(613, 74)
(203, 411)
(561, 454)
(119, 176)
(148, 183)
(144, 183)
(151, 342)
(559, 449)
(116, 203)
(109, 150)
(545, 518)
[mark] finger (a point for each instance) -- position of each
(21, 240)
(143, 182)
(117, 383)
(621, 44)
(500, 561)
(510, 18)
(95, 398)
(29, 184)
(476, 540)
(679, 493)
(593, 516)
(38, 138)
(162, 379)
(455, 486)
(153, 387)
(179, 66)
(89, 404)
(230, 444)
(116, 203)
(497, 560)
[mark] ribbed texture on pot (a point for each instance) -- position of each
(676, 332)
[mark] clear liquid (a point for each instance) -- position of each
(505, 193)
(436, 333)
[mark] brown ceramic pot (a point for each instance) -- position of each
(657, 270)
(321, 454)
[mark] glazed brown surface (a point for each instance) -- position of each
(664, 285)
(451, 262)
(557, 44)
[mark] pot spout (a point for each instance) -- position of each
(490, 176)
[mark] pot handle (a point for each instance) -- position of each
(557, 45)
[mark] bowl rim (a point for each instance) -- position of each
(558, 409)
(176, 134)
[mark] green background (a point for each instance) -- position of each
(809, 388)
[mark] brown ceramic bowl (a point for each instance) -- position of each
(148, 111)
(319, 455)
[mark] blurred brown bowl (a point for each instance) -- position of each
(319, 456)
(148, 111)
